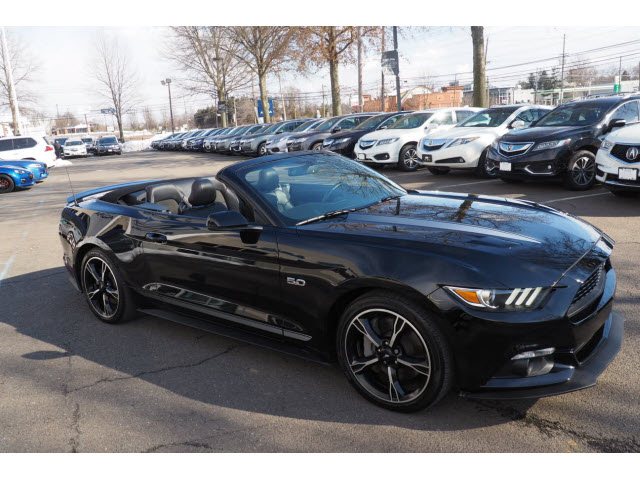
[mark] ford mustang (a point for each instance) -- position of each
(414, 293)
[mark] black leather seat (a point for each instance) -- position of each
(169, 196)
(203, 199)
(276, 194)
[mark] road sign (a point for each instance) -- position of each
(261, 111)
(222, 107)
(108, 111)
(389, 62)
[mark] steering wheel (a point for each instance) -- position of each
(333, 190)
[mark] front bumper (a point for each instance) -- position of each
(461, 156)
(607, 170)
(383, 154)
(543, 164)
(345, 149)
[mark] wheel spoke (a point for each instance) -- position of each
(397, 329)
(92, 294)
(104, 269)
(420, 366)
(364, 327)
(92, 270)
(395, 389)
(112, 292)
(108, 310)
(359, 364)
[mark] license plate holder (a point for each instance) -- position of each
(628, 174)
(427, 158)
(505, 166)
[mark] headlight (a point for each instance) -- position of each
(462, 141)
(20, 172)
(387, 141)
(327, 142)
(342, 141)
(516, 299)
(554, 144)
(607, 145)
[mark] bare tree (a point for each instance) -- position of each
(479, 68)
(263, 50)
(23, 70)
(149, 119)
(116, 78)
(209, 61)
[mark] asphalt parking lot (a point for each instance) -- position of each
(71, 383)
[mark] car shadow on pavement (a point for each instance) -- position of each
(198, 365)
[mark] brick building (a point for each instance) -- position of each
(418, 98)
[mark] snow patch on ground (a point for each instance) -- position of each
(61, 163)
(136, 145)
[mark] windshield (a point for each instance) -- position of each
(493, 117)
(327, 125)
(304, 188)
(73, 142)
(574, 115)
(310, 125)
(107, 141)
(412, 121)
(377, 121)
(87, 140)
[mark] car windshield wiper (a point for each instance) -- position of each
(337, 213)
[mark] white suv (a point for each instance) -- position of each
(618, 161)
(397, 145)
(27, 148)
(466, 145)
(74, 147)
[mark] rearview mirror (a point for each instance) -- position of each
(517, 124)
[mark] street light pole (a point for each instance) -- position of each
(167, 82)
(395, 47)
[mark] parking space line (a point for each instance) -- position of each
(574, 198)
(5, 270)
(463, 184)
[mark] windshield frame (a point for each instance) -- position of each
(606, 108)
(429, 115)
(510, 110)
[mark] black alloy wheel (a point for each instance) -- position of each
(581, 171)
(394, 353)
(409, 160)
(6, 184)
(104, 289)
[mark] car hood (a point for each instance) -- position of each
(21, 163)
(394, 132)
(543, 134)
(460, 132)
(348, 133)
(476, 233)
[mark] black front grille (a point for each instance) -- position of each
(588, 285)
(430, 148)
(620, 152)
(516, 149)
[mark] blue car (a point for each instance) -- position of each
(15, 177)
(39, 170)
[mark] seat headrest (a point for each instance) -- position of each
(203, 192)
(268, 180)
(163, 191)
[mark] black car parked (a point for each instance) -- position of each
(344, 142)
(108, 146)
(414, 293)
(562, 144)
(312, 139)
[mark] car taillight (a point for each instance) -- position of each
(48, 148)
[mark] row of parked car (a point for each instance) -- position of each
(24, 161)
(83, 146)
(580, 142)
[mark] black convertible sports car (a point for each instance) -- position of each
(414, 293)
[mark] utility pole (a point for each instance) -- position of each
(167, 82)
(323, 109)
(13, 98)
(360, 103)
(564, 38)
(253, 96)
(382, 99)
(87, 123)
(395, 47)
(284, 110)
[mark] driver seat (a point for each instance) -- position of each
(276, 194)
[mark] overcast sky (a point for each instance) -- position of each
(65, 57)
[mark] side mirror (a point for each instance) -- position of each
(616, 123)
(384, 127)
(230, 221)
(336, 129)
(278, 132)
(517, 124)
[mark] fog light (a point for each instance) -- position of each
(532, 363)
(534, 353)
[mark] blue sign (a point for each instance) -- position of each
(261, 111)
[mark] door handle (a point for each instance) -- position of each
(156, 238)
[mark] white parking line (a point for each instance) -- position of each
(463, 184)
(576, 197)
(5, 270)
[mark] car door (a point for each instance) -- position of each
(6, 149)
(218, 273)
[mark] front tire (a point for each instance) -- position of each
(482, 169)
(104, 289)
(316, 147)
(408, 160)
(394, 353)
(581, 171)
(262, 149)
(6, 184)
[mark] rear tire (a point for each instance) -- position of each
(6, 184)
(581, 171)
(438, 170)
(104, 289)
(394, 353)
(408, 158)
